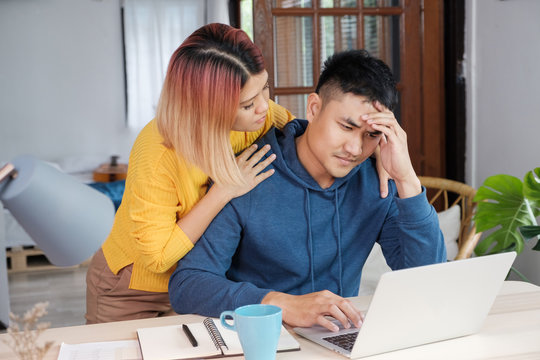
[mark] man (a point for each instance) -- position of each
(299, 240)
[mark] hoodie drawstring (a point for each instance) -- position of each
(338, 231)
(310, 242)
(337, 228)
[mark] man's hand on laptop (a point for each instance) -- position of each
(310, 309)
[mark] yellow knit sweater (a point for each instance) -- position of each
(160, 189)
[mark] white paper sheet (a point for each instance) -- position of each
(109, 350)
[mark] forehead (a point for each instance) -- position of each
(348, 105)
(253, 86)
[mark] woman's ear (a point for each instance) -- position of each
(314, 105)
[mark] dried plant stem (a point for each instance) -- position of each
(24, 332)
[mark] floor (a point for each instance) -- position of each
(64, 289)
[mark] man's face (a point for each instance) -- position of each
(337, 138)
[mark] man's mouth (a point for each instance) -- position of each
(344, 160)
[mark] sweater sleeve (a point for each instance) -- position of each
(411, 235)
(199, 284)
(280, 115)
(154, 205)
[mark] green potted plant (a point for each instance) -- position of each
(510, 207)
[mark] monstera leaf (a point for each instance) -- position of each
(505, 204)
(530, 232)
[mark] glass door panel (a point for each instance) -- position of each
(382, 3)
(293, 51)
(296, 104)
(337, 3)
(381, 39)
(338, 33)
(292, 3)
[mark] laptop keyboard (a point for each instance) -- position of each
(345, 341)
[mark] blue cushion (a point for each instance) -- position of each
(114, 190)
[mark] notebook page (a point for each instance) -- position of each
(231, 339)
(170, 342)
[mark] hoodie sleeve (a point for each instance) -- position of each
(411, 235)
(199, 284)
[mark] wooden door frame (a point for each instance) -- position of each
(433, 91)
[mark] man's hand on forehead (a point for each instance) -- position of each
(394, 150)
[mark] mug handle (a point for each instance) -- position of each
(225, 323)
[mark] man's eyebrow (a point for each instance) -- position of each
(351, 122)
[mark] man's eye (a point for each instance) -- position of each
(247, 107)
(374, 134)
(345, 127)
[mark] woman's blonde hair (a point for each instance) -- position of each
(201, 94)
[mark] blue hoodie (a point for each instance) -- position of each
(290, 235)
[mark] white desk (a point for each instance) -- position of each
(511, 331)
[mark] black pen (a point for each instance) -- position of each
(189, 335)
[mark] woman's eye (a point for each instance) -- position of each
(374, 134)
(247, 107)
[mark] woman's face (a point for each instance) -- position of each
(251, 113)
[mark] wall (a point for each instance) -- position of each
(503, 75)
(62, 91)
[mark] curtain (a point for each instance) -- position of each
(153, 29)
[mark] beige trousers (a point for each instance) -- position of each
(109, 298)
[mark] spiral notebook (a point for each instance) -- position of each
(213, 341)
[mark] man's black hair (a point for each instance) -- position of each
(357, 72)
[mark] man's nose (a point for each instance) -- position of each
(353, 146)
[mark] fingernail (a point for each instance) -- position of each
(335, 328)
(383, 194)
(365, 116)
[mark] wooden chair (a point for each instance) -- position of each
(468, 238)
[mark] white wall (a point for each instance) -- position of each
(503, 75)
(62, 80)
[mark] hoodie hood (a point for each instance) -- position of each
(284, 146)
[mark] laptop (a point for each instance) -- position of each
(421, 305)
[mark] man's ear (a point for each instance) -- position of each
(314, 106)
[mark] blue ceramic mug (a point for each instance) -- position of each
(258, 327)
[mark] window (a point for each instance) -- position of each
(153, 30)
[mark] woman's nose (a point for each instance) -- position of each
(262, 104)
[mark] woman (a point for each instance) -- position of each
(214, 103)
